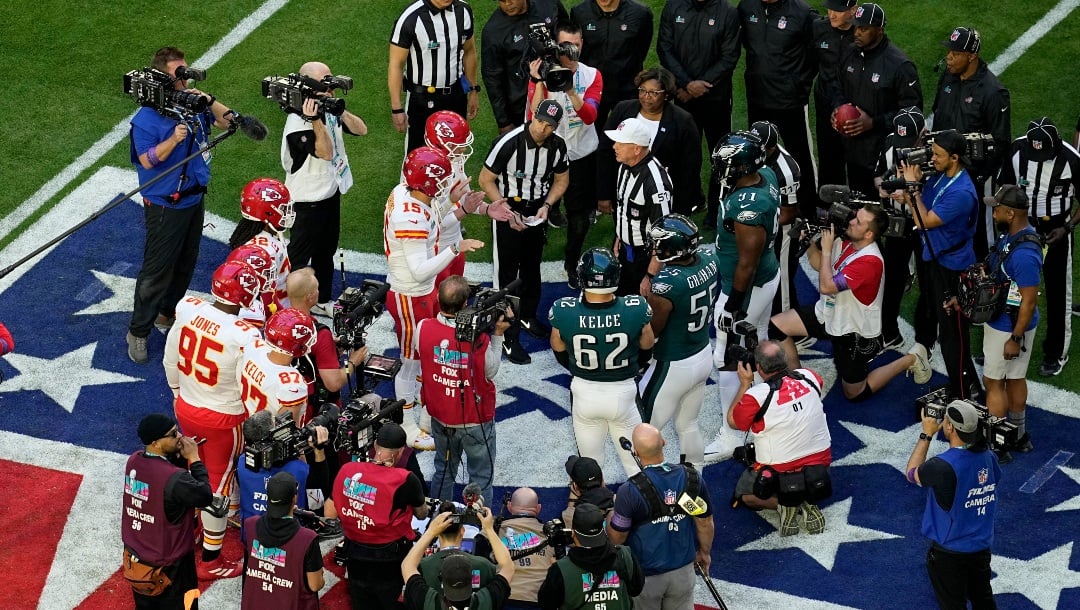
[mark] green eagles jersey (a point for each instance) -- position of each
(755, 206)
(602, 339)
(691, 290)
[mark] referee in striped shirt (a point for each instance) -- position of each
(787, 171)
(642, 196)
(1048, 170)
(431, 47)
(529, 168)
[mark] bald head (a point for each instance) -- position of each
(770, 357)
(315, 69)
(525, 501)
(649, 443)
(302, 287)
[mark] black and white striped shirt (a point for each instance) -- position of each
(642, 195)
(1050, 185)
(526, 170)
(435, 39)
(788, 175)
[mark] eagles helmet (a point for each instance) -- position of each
(673, 236)
(267, 200)
(291, 332)
(599, 270)
(738, 154)
(236, 283)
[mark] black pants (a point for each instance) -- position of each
(861, 179)
(580, 199)
(712, 115)
(897, 254)
(933, 322)
(830, 145)
(169, 256)
(518, 254)
(786, 297)
(314, 240)
(635, 263)
(422, 105)
(375, 585)
(795, 136)
(1057, 271)
(184, 579)
(985, 234)
(959, 577)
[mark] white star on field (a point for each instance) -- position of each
(884, 446)
(122, 289)
(1072, 503)
(62, 378)
(821, 548)
(1040, 579)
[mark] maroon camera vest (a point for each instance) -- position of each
(143, 526)
(275, 576)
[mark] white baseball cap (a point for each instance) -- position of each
(630, 131)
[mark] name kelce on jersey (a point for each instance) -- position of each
(600, 321)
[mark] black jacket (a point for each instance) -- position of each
(677, 146)
(979, 104)
(780, 58)
(700, 41)
(615, 43)
(504, 43)
(830, 44)
(880, 81)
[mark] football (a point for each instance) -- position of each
(844, 114)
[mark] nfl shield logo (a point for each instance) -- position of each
(901, 130)
(712, 22)
(669, 497)
(875, 77)
(953, 37)
(984, 474)
(782, 23)
(623, 27)
(859, 12)
(1036, 144)
(967, 100)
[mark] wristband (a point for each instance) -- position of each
(397, 111)
(151, 156)
(454, 248)
(211, 101)
(1018, 339)
(734, 301)
(477, 88)
(650, 275)
(925, 437)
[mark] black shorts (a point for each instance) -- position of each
(852, 354)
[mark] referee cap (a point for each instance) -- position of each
(550, 112)
(907, 125)
(963, 39)
(839, 6)
(869, 14)
(1043, 140)
(630, 131)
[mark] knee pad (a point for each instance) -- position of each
(775, 333)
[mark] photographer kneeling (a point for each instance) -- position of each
(457, 390)
(849, 311)
(788, 464)
(530, 547)
(611, 572)
(452, 542)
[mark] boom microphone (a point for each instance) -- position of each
(834, 193)
(251, 126)
(940, 64)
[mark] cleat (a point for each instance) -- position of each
(218, 569)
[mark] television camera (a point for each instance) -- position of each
(542, 44)
(355, 310)
(998, 432)
(155, 89)
(361, 419)
(292, 90)
(285, 441)
(487, 307)
(979, 147)
(742, 350)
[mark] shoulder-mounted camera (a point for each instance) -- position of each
(155, 89)
(292, 90)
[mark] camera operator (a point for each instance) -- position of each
(960, 506)
(520, 532)
(791, 439)
(908, 129)
(852, 285)
(658, 532)
(1048, 171)
(586, 486)
(376, 502)
(161, 495)
(456, 574)
(603, 340)
(577, 127)
(314, 475)
(173, 206)
(458, 391)
(971, 99)
(946, 210)
(317, 174)
(451, 542)
(322, 368)
(1017, 259)
(611, 573)
(292, 550)
(211, 406)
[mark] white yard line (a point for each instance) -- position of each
(120, 131)
(1020, 46)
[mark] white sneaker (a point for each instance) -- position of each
(424, 441)
(920, 369)
(805, 343)
(722, 447)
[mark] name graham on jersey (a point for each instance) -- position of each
(605, 321)
(702, 276)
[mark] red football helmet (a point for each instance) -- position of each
(449, 132)
(291, 331)
(259, 260)
(267, 200)
(428, 170)
(236, 283)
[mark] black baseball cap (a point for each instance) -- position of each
(391, 436)
(589, 525)
(963, 39)
(1010, 196)
(280, 491)
(584, 471)
(1043, 140)
(549, 111)
(869, 14)
(908, 123)
(456, 578)
(839, 5)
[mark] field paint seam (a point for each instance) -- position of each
(120, 131)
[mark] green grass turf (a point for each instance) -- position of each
(63, 62)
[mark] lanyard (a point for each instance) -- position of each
(938, 194)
